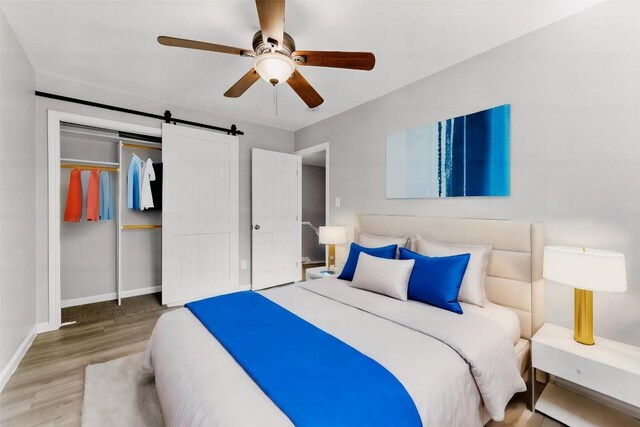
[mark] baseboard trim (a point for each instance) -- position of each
(141, 291)
(109, 297)
(88, 300)
(15, 360)
(44, 327)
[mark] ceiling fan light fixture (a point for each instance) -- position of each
(274, 68)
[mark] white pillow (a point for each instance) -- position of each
(384, 276)
(373, 241)
(472, 289)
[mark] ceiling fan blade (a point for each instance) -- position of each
(321, 58)
(271, 16)
(194, 44)
(304, 90)
(243, 84)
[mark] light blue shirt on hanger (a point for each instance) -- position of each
(107, 203)
(133, 182)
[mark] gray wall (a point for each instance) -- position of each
(313, 210)
(574, 91)
(17, 198)
(255, 136)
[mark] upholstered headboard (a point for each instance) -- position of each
(515, 269)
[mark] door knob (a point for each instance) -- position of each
(256, 227)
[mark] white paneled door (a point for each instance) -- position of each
(276, 215)
(200, 214)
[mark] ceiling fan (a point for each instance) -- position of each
(276, 56)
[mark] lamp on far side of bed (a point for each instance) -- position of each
(332, 236)
(587, 270)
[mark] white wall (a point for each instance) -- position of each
(17, 195)
(574, 90)
(255, 136)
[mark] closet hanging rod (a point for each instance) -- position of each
(144, 147)
(88, 167)
(166, 117)
(140, 227)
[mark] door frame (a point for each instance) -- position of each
(55, 118)
(324, 146)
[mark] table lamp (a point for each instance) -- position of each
(332, 236)
(587, 270)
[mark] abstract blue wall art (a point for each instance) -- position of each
(463, 156)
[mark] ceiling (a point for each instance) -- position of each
(113, 44)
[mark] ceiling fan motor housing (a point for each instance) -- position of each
(287, 48)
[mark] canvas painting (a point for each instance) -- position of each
(463, 156)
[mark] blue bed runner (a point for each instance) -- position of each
(313, 377)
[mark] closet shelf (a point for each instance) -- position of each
(89, 135)
(144, 145)
(96, 135)
(89, 162)
(140, 226)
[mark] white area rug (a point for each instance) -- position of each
(119, 393)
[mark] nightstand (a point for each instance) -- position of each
(609, 368)
(316, 273)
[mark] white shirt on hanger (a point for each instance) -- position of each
(148, 175)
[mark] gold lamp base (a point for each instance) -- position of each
(331, 258)
(583, 317)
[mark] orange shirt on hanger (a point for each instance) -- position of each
(93, 196)
(73, 208)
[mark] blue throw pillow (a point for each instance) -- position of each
(349, 268)
(436, 280)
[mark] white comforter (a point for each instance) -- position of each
(459, 370)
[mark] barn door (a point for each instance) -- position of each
(200, 214)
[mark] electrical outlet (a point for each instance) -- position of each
(337, 202)
(243, 264)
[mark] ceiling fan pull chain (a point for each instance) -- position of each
(275, 98)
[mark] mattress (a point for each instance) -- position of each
(503, 316)
(510, 323)
(199, 383)
(522, 348)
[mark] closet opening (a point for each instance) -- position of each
(315, 203)
(104, 228)
(110, 250)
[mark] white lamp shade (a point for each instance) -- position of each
(333, 235)
(274, 68)
(584, 268)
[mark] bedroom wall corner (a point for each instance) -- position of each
(573, 87)
(17, 202)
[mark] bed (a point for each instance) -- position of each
(452, 366)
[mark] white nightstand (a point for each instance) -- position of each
(316, 273)
(607, 367)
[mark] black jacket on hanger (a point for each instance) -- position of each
(156, 187)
